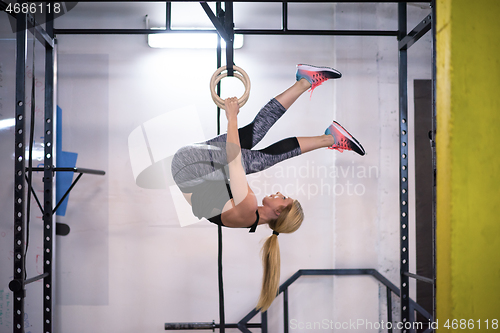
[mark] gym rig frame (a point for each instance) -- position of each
(225, 27)
(23, 189)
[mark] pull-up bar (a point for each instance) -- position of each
(205, 326)
(81, 171)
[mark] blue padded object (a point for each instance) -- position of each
(63, 159)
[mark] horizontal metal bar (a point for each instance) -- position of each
(248, 317)
(413, 36)
(420, 278)
(36, 278)
(189, 326)
(76, 170)
(236, 31)
(318, 272)
(17, 285)
(296, 1)
(89, 171)
(128, 31)
(342, 272)
(289, 32)
(204, 326)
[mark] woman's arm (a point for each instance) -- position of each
(237, 176)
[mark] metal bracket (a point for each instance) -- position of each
(81, 171)
(413, 36)
(225, 28)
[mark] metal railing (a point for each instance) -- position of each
(243, 325)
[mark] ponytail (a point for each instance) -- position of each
(288, 221)
(271, 275)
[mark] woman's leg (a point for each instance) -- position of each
(252, 133)
(205, 160)
(289, 96)
(259, 160)
(311, 143)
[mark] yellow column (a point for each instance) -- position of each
(468, 162)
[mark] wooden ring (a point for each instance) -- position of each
(219, 75)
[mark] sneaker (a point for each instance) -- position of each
(316, 75)
(343, 140)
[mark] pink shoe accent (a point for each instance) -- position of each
(343, 139)
(316, 75)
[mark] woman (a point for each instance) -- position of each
(212, 174)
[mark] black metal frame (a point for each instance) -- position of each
(17, 285)
(390, 289)
(243, 325)
(80, 172)
(22, 193)
(405, 39)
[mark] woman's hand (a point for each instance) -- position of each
(232, 108)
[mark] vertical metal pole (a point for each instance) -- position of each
(403, 167)
(48, 185)
(284, 18)
(222, 320)
(218, 11)
(229, 27)
(263, 320)
(168, 16)
(19, 177)
(433, 31)
(389, 309)
(285, 310)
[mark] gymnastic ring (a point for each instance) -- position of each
(219, 75)
(219, 101)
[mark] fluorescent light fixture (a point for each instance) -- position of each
(187, 40)
(6, 123)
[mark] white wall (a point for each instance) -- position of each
(128, 266)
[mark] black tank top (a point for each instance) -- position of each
(218, 220)
(211, 196)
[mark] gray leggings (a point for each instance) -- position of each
(207, 161)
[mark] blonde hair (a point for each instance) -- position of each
(288, 221)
